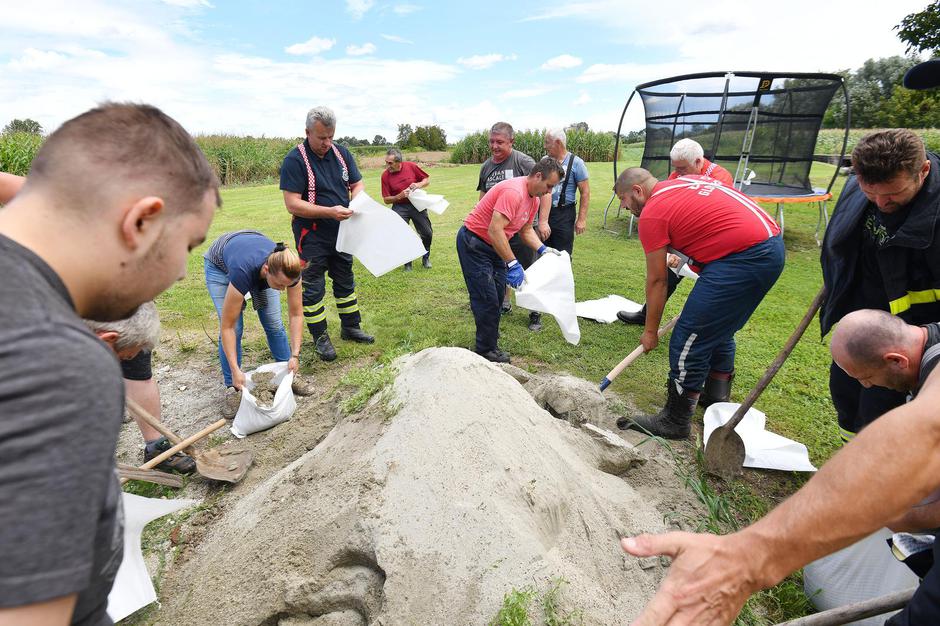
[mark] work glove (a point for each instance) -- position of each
(543, 249)
(514, 274)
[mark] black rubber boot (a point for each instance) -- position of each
(673, 422)
(535, 321)
(638, 318)
(354, 333)
(324, 348)
(716, 389)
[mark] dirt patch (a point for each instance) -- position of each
(443, 494)
(428, 159)
(264, 388)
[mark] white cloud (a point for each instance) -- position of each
(483, 61)
(405, 9)
(314, 45)
(396, 38)
(366, 48)
(189, 3)
(526, 93)
(358, 8)
(584, 98)
(561, 62)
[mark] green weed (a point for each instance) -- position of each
(515, 608)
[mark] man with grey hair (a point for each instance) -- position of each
(132, 340)
(506, 162)
(399, 179)
(318, 179)
(558, 225)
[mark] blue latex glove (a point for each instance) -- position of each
(543, 249)
(514, 274)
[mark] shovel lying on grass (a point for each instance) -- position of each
(226, 465)
(633, 356)
(724, 451)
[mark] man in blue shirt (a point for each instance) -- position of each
(318, 179)
(559, 226)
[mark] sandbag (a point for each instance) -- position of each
(424, 201)
(251, 416)
(549, 288)
(377, 237)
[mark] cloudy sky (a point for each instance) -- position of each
(255, 67)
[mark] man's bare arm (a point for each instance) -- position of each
(655, 296)
(10, 185)
(498, 236)
(584, 189)
(55, 612)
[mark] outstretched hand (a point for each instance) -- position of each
(708, 581)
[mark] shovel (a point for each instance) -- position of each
(856, 611)
(633, 356)
(226, 465)
(724, 452)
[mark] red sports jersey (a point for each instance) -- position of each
(702, 219)
(712, 170)
(511, 198)
(393, 183)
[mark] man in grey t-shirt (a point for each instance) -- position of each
(129, 182)
(506, 162)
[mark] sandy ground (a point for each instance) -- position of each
(476, 481)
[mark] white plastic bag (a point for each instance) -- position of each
(251, 417)
(605, 309)
(762, 448)
(424, 201)
(866, 569)
(377, 237)
(549, 288)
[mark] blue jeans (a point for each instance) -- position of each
(724, 297)
(484, 272)
(270, 315)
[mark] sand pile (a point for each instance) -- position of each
(430, 516)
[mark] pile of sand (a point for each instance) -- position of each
(432, 515)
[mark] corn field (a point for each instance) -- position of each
(590, 146)
(17, 151)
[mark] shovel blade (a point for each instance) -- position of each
(224, 465)
(724, 453)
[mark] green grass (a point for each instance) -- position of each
(429, 308)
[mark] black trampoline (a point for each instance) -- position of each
(761, 126)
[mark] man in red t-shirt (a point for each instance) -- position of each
(688, 158)
(737, 250)
(399, 179)
(486, 259)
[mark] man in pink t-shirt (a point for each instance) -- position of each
(486, 259)
(737, 250)
(399, 179)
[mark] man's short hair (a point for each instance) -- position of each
(881, 156)
(503, 128)
(557, 134)
(395, 153)
(141, 330)
(120, 148)
(546, 166)
(687, 150)
(324, 115)
(885, 332)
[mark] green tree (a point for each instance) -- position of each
(404, 134)
(421, 138)
(912, 109)
(23, 126)
(869, 87)
(437, 138)
(579, 126)
(921, 31)
(379, 140)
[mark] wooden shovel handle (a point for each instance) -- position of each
(208, 430)
(778, 362)
(855, 611)
(633, 356)
(158, 426)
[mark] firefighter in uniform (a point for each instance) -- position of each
(318, 179)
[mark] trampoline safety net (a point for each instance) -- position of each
(765, 123)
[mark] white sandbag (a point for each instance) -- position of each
(424, 201)
(762, 448)
(864, 570)
(605, 309)
(252, 417)
(549, 288)
(378, 237)
(133, 589)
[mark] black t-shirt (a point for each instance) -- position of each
(931, 355)
(61, 408)
(330, 177)
(877, 230)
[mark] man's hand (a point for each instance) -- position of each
(341, 213)
(515, 276)
(708, 581)
(293, 364)
(580, 225)
(673, 261)
(238, 379)
(544, 230)
(547, 250)
(649, 339)
(412, 187)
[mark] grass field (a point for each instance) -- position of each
(411, 311)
